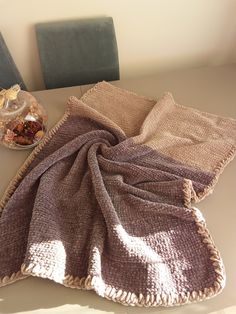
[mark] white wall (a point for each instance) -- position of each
(152, 35)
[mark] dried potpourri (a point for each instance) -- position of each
(22, 119)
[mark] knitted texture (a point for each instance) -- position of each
(104, 201)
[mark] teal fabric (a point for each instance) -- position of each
(9, 74)
(78, 52)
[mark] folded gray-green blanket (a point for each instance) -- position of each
(104, 202)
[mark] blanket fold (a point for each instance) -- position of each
(104, 202)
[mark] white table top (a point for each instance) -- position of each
(209, 89)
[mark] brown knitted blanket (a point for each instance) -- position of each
(104, 202)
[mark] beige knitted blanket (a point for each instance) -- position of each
(104, 202)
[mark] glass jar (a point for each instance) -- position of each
(23, 120)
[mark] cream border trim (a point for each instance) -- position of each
(6, 280)
(217, 171)
(190, 194)
(130, 298)
(110, 292)
(14, 182)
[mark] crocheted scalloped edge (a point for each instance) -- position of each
(19, 175)
(129, 92)
(130, 298)
(189, 194)
(217, 171)
(111, 293)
